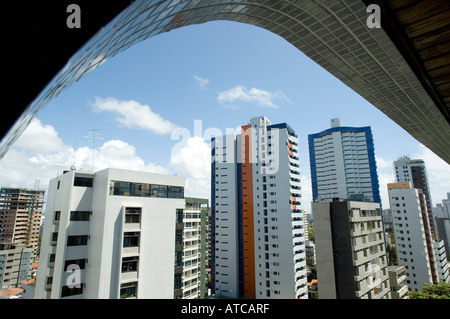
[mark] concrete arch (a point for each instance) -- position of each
(332, 33)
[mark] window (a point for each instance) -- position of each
(130, 264)
(80, 215)
(128, 290)
(57, 215)
(175, 192)
(133, 215)
(83, 181)
(66, 291)
(145, 190)
(79, 262)
(131, 239)
(77, 240)
(159, 191)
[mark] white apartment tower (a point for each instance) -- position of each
(415, 172)
(258, 236)
(412, 234)
(440, 260)
(110, 234)
(343, 165)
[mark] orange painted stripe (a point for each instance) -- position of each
(247, 210)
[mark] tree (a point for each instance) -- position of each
(439, 291)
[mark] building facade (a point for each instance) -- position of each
(20, 217)
(440, 260)
(353, 231)
(397, 279)
(192, 250)
(110, 234)
(343, 165)
(15, 265)
(443, 228)
(415, 172)
(412, 234)
(257, 224)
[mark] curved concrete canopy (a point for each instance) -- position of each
(332, 33)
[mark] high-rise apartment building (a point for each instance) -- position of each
(20, 217)
(191, 250)
(412, 233)
(112, 234)
(446, 206)
(350, 250)
(440, 260)
(343, 165)
(415, 172)
(257, 234)
(443, 228)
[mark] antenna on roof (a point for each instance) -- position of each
(93, 137)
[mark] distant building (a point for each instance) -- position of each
(343, 165)
(28, 287)
(440, 260)
(111, 234)
(20, 217)
(446, 206)
(443, 228)
(352, 231)
(415, 172)
(397, 282)
(15, 265)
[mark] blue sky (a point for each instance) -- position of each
(222, 73)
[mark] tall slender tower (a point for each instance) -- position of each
(257, 237)
(415, 171)
(342, 160)
(412, 234)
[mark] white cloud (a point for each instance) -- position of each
(193, 161)
(438, 173)
(383, 163)
(38, 138)
(201, 81)
(260, 97)
(25, 163)
(134, 115)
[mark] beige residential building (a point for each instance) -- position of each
(353, 231)
(397, 281)
(20, 217)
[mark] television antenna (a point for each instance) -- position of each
(93, 137)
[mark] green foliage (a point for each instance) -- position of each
(311, 233)
(439, 291)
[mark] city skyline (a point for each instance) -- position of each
(192, 74)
